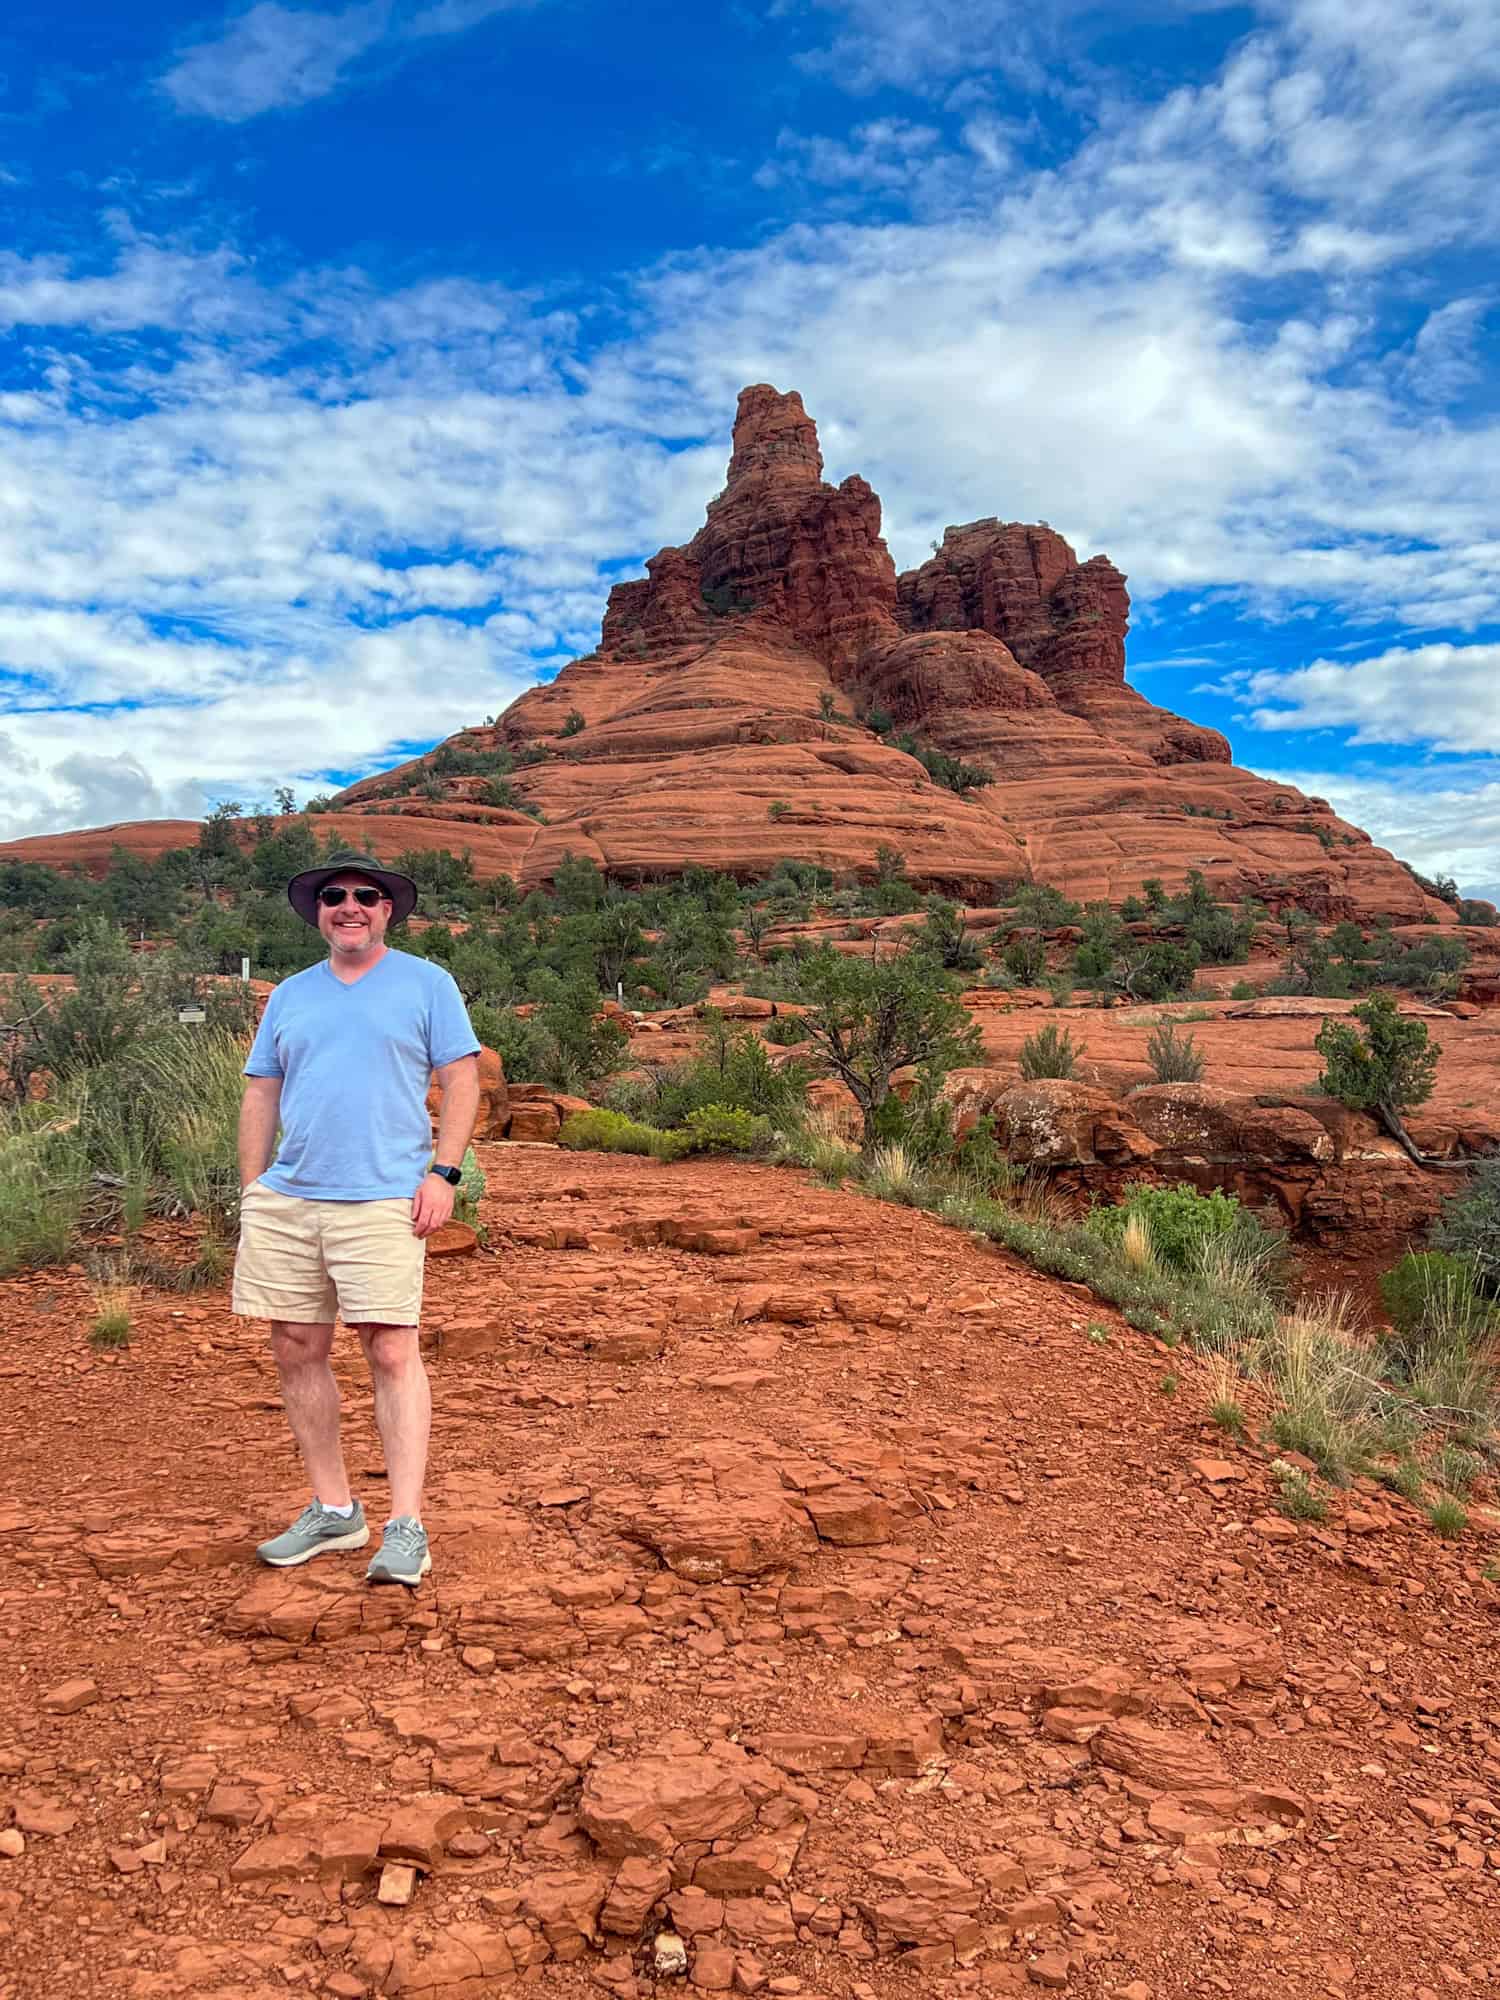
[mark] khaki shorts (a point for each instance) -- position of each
(309, 1260)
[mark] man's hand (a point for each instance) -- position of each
(433, 1205)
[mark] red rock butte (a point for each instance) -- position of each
(719, 724)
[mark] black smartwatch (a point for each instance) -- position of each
(452, 1175)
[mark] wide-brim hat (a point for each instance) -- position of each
(302, 890)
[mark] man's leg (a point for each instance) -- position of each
(403, 1411)
(301, 1350)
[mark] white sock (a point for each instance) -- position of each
(342, 1512)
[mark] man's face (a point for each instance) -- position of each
(351, 926)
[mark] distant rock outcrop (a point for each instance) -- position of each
(723, 723)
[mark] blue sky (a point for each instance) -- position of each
(348, 353)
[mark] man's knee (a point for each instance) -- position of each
(300, 1344)
(392, 1351)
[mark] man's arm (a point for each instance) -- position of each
(459, 1083)
(260, 1112)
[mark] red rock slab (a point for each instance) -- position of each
(453, 1239)
(650, 1805)
(793, 1750)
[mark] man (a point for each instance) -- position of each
(336, 1221)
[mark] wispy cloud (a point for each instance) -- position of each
(275, 58)
(1444, 820)
(254, 526)
(1444, 696)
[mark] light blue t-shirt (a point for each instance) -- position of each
(355, 1062)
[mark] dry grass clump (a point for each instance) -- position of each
(1324, 1378)
(113, 1314)
(1136, 1246)
(893, 1173)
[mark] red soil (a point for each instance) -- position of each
(805, 1574)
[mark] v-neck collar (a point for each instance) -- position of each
(368, 973)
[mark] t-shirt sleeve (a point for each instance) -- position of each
(263, 1059)
(449, 1034)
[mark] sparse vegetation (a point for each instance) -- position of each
(725, 1128)
(1448, 1517)
(1300, 1500)
(1174, 1058)
(613, 1132)
(1389, 1069)
(1050, 1052)
(112, 1315)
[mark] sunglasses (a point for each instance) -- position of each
(366, 898)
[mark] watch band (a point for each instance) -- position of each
(452, 1175)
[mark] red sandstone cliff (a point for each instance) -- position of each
(706, 740)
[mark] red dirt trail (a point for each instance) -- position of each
(809, 1587)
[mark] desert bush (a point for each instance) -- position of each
(982, 1163)
(1428, 1285)
(1300, 1499)
(1182, 1223)
(891, 1173)
(1468, 1224)
(1049, 1052)
(1324, 1381)
(1174, 1058)
(814, 1138)
(1390, 1068)
(868, 1018)
(517, 1040)
(612, 1132)
(723, 1128)
(470, 1190)
(43, 1179)
(785, 1031)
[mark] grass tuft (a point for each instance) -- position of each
(1300, 1499)
(112, 1315)
(1448, 1518)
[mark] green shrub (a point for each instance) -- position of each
(1299, 1498)
(1448, 1518)
(723, 1128)
(519, 1042)
(470, 1190)
(778, 809)
(1424, 1285)
(1468, 1224)
(1183, 1224)
(1174, 1058)
(573, 723)
(43, 1178)
(1391, 1067)
(983, 1163)
(1244, 989)
(612, 1132)
(1049, 1052)
(785, 1031)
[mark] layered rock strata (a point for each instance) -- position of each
(723, 723)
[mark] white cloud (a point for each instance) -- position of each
(1150, 344)
(273, 721)
(1444, 820)
(275, 58)
(1442, 695)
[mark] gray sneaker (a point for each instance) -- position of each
(403, 1556)
(315, 1532)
